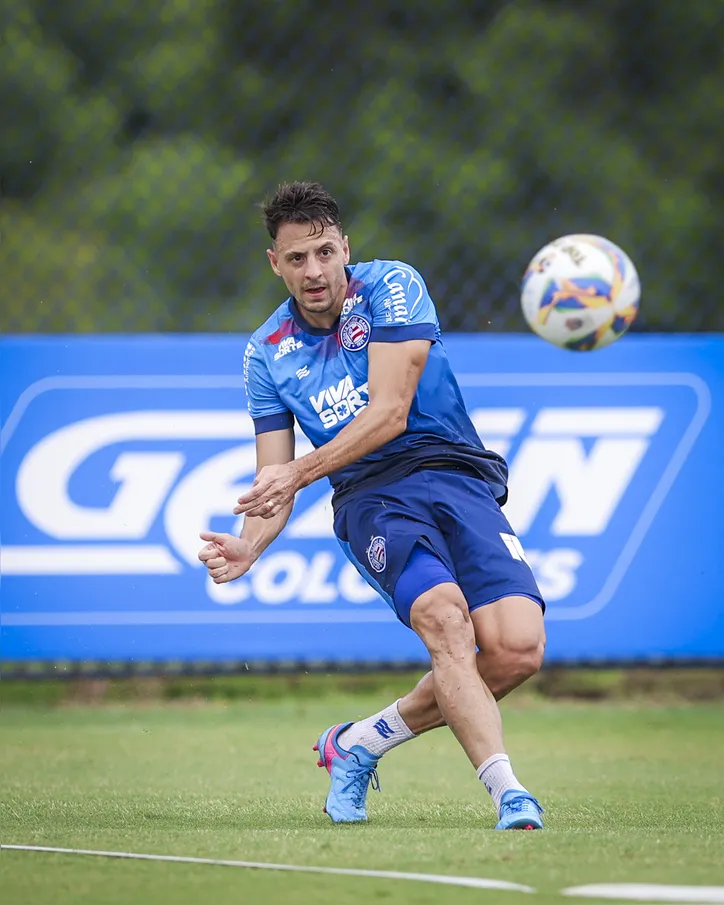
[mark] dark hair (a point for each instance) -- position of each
(300, 202)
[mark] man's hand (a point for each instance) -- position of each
(225, 556)
(273, 489)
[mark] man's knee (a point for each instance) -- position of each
(514, 658)
(511, 636)
(441, 618)
(524, 661)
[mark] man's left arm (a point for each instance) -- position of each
(394, 370)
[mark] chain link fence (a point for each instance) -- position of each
(138, 136)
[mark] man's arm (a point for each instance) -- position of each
(227, 557)
(272, 448)
(394, 373)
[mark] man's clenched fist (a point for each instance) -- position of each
(225, 556)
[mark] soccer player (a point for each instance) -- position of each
(355, 355)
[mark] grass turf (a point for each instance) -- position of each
(632, 792)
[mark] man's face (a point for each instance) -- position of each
(311, 263)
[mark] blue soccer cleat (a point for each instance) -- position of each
(351, 773)
(519, 811)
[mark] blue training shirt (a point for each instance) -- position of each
(319, 376)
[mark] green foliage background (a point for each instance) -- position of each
(137, 136)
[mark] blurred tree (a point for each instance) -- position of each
(136, 139)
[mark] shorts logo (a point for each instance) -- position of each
(515, 547)
(377, 554)
(354, 334)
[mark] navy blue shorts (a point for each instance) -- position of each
(448, 513)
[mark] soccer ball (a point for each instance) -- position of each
(580, 292)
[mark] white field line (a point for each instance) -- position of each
(474, 882)
(650, 892)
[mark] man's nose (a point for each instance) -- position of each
(313, 270)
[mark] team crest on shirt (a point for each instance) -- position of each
(377, 553)
(354, 334)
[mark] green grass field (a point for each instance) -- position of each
(633, 793)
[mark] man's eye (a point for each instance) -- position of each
(326, 252)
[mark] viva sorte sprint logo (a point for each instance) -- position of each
(340, 402)
(287, 345)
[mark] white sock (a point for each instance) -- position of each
(497, 776)
(378, 733)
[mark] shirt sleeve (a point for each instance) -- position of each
(265, 406)
(402, 308)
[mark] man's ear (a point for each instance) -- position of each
(272, 255)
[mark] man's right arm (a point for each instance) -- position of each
(272, 448)
(228, 557)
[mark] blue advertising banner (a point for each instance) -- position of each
(118, 451)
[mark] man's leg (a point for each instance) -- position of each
(442, 620)
(350, 751)
(511, 637)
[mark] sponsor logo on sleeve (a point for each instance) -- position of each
(405, 295)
